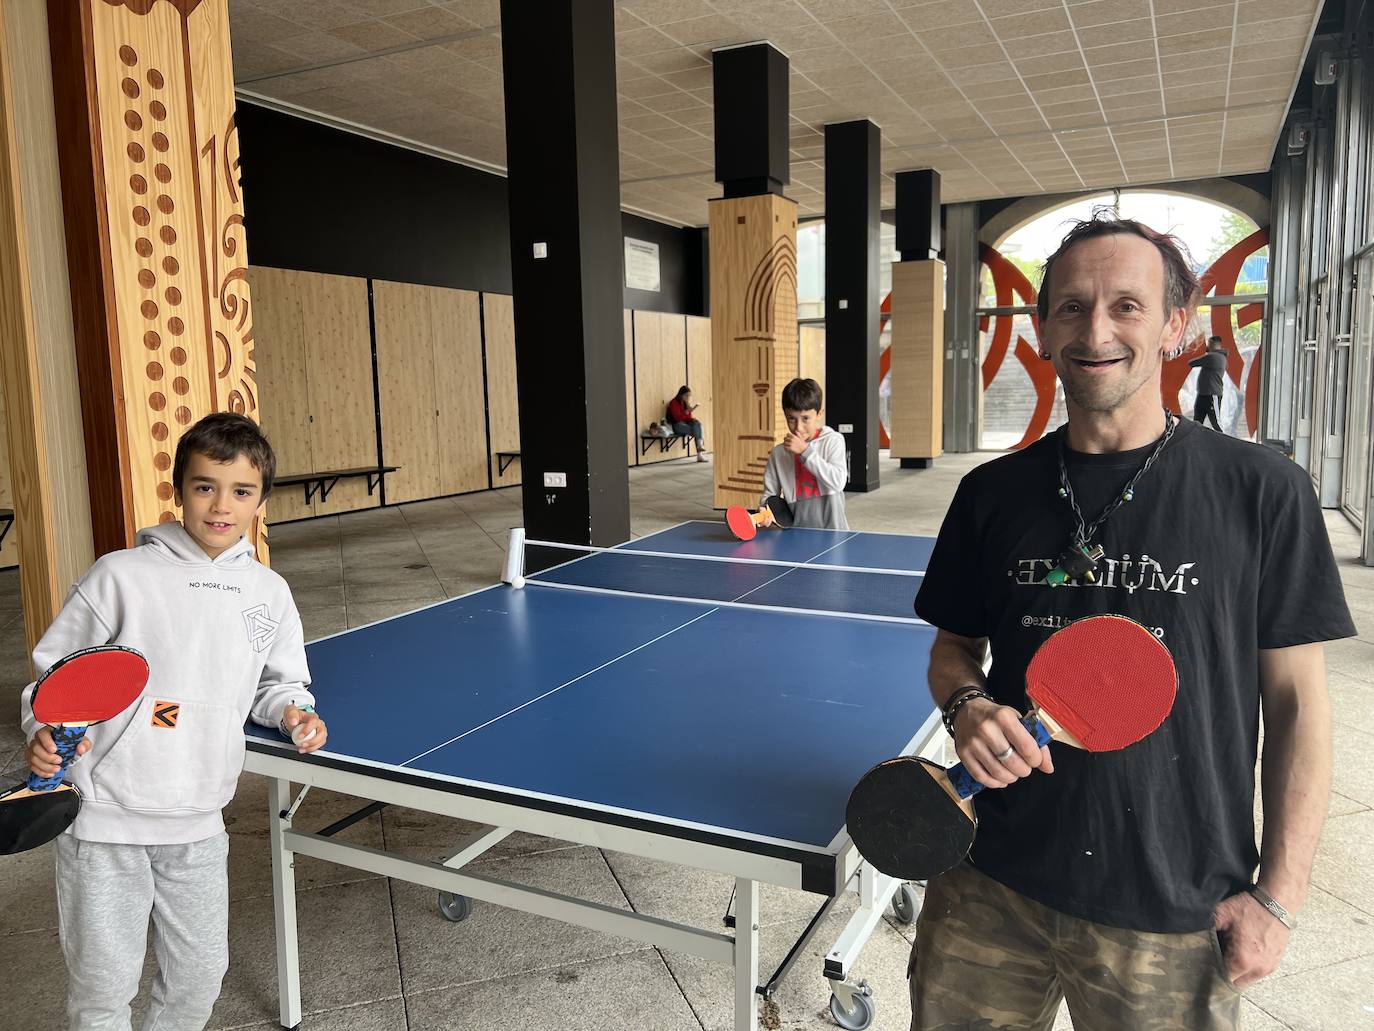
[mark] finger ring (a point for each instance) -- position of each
(1002, 756)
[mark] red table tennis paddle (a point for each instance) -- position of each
(86, 687)
(1099, 684)
(745, 524)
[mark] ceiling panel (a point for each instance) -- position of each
(1003, 97)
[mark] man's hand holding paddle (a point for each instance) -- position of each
(993, 745)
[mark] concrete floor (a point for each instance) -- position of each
(377, 956)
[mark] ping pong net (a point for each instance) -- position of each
(816, 586)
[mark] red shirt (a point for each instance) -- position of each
(679, 412)
(807, 484)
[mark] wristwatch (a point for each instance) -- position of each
(1270, 903)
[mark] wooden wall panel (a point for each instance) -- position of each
(753, 336)
(503, 400)
(405, 376)
(631, 415)
(338, 348)
(918, 335)
(654, 370)
(456, 333)
(284, 395)
(699, 372)
(812, 354)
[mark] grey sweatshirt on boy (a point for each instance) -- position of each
(223, 642)
(824, 457)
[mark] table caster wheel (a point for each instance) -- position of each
(904, 905)
(859, 1014)
(454, 907)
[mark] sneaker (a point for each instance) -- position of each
(700, 457)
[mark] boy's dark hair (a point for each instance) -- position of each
(801, 395)
(1213, 340)
(222, 437)
(1180, 282)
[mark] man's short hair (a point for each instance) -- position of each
(1213, 340)
(222, 437)
(801, 395)
(1180, 282)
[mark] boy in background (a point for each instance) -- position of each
(808, 469)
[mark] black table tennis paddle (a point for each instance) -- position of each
(1099, 684)
(86, 687)
(745, 524)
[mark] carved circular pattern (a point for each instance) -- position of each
(181, 385)
(158, 110)
(151, 340)
(170, 266)
(176, 326)
(135, 152)
(146, 279)
(178, 356)
(133, 121)
(128, 55)
(143, 247)
(157, 401)
(164, 492)
(141, 216)
(130, 88)
(173, 296)
(163, 173)
(149, 309)
(155, 79)
(165, 204)
(167, 235)
(163, 461)
(183, 415)
(160, 143)
(138, 184)
(160, 431)
(154, 371)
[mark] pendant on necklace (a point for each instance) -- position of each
(1078, 563)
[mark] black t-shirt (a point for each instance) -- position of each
(1222, 552)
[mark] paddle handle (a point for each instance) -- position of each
(65, 740)
(962, 781)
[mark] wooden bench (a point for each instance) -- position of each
(504, 460)
(646, 441)
(323, 482)
(7, 518)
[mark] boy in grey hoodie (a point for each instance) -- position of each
(224, 644)
(808, 469)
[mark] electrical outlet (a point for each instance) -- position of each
(846, 427)
(555, 479)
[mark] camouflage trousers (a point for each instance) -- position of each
(986, 958)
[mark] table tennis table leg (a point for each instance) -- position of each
(284, 903)
(746, 954)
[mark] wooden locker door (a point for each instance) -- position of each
(405, 386)
(660, 368)
(456, 332)
(503, 401)
(699, 371)
(343, 426)
(283, 391)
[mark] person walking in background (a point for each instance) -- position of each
(1212, 366)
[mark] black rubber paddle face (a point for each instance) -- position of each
(30, 819)
(782, 512)
(904, 822)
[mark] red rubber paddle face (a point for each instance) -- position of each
(89, 686)
(1106, 680)
(741, 523)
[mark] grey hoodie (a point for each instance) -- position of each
(825, 458)
(223, 642)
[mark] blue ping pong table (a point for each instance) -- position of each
(722, 729)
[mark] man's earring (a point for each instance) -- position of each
(1045, 355)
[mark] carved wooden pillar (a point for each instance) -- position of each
(144, 97)
(754, 345)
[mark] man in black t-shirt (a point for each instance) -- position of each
(1210, 382)
(1125, 881)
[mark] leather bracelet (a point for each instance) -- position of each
(958, 701)
(1270, 903)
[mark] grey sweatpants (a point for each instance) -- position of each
(105, 894)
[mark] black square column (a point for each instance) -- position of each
(563, 173)
(750, 84)
(852, 216)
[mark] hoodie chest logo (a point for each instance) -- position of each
(262, 628)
